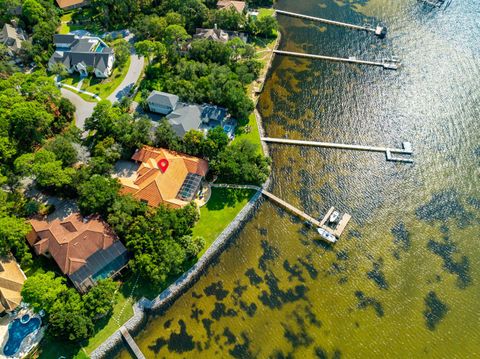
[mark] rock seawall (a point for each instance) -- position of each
(182, 284)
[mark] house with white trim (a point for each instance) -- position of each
(83, 54)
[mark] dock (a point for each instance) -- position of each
(340, 227)
(389, 152)
(131, 343)
(291, 208)
(379, 30)
(387, 64)
(315, 222)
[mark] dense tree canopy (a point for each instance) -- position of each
(97, 194)
(161, 242)
(70, 315)
(241, 163)
(41, 290)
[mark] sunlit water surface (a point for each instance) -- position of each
(403, 281)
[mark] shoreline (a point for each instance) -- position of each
(169, 295)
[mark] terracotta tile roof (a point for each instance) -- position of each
(155, 186)
(70, 241)
(237, 5)
(11, 283)
(63, 4)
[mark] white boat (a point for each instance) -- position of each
(334, 217)
(326, 235)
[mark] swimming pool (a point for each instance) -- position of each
(100, 47)
(18, 331)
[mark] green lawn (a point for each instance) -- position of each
(249, 131)
(104, 87)
(99, 87)
(66, 26)
(263, 11)
(220, 210)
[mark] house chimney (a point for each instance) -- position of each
(14, 23)
(215, 26)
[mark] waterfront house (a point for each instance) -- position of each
(85, 249)
(239, 6)
(83, 54)
(185, 117)
(11, 283)
(162, 102)
(12, 36)
(188, 117)
(165, 177)
(218, 35)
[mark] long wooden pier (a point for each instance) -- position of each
(131, 343)
(291, 208)
(379, 30)
(315, 222)
(406, 150)
(386, 64)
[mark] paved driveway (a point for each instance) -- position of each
(133, 74)
(84, 108)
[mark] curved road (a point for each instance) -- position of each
(131, 78)
(83, 109)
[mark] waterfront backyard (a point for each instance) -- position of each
(215, 216)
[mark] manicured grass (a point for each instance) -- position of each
(99, 87)
(104, 87)
(263, 11)
(220, 210)
(216, 215)
(249, 132)
(66, 25)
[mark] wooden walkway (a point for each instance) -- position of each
(387, 64)
(288, 207)
(291, 208)
(406, 150)
(326, 21)
(131, 343)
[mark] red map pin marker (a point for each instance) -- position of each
(163, 164)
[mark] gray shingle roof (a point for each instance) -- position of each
(163, 99)
(185, 118)
(63, 39)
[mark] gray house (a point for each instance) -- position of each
(185, 117)
(196, 117)
(12, 38)
(162, 102)
(83, 54)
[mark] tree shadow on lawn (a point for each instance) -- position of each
(227, 197)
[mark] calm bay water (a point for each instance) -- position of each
(404, 279)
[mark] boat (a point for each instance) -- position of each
(334, 217)
(327, 235)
